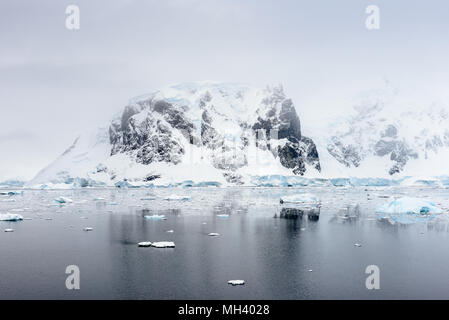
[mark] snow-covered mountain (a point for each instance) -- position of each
(388, 134)
(222, 133)
(197, 132)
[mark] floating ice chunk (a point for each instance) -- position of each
(169, 231)
(148, 198)
(410, 205)
(63, 200)
(9, 200)
(213, 234)
(357, 245)
(155, 217)
(300, 198)
(12, 193)
(9, 230)
(175, 197)
(99, 199)
(88, 229)
(236, 282)
(144, 244)
(10, 217)
(408, 210)
(223, 216)
(163, 244)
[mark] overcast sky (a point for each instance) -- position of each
(55, 82)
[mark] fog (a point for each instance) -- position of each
(56, 83)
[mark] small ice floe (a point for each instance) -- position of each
(155, 217)
(9, 230)
(169, 231)
(10, 217)
(223, 216)
(236, 282)
(148, 198)
(48, 219)
(407, 210)
(9, 200)
(301, 198)
(213, 234)
(88, 229)
(13, 193)
(357, 245)
(175, 197)
(99, 199)
(163, 244)
(310, 270)
(144, 244)
(204, 223)
(63, 200)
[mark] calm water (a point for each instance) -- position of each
(272, 255)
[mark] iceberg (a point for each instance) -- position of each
(408, 210)
(9, 230)
(144, 244)
(163, 244)
(88, 229)
(155, 217)
(63, 200)
(148, 198)
(174, 197)
(11, 193)
(213, 234)
(236, 282)
(300, 198)
(10, 217)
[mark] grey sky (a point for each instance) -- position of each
(55, 83)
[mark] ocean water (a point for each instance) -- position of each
(308, 256)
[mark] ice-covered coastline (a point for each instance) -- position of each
(252, 181)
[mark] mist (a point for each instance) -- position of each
(56, 83)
